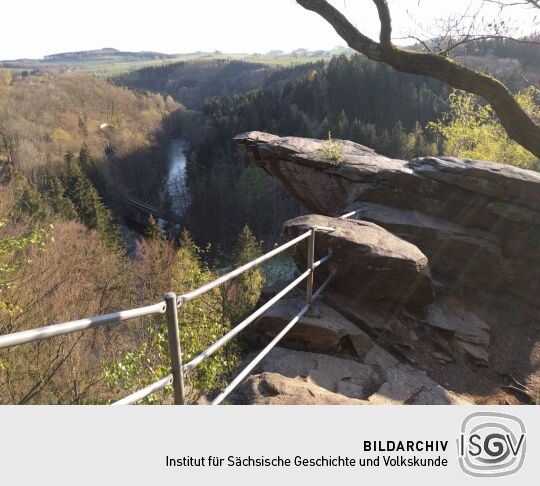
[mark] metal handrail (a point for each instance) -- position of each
(244, 268)
(146, 392)
(352, 213)
(248, 320)
(233, 332)
(46, 332)
(269, 347)
(170, 306)
(41, 333)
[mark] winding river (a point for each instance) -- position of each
(176, 178)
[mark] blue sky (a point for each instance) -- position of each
(33, 28)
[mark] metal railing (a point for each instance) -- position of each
(169, 306)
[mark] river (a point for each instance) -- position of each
(176, 178)
(175, 183)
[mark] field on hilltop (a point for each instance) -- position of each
(111, 62)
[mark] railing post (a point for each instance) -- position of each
(310, 261)
(175, 351)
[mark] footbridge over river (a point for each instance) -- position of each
(148, 209)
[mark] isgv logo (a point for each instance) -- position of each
(491, 444)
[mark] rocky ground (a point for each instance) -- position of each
(435, 295)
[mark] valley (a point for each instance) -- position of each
(119, 169)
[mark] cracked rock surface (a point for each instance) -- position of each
(439, 270)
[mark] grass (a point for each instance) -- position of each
(115, 68)
(107, 67)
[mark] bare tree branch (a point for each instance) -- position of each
(517, 3)
(445, 35)
(519, 126)
(476, 38)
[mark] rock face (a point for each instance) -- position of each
(440, 265)
(322, 330)
(478, 222)
(275, 389)
(347, 377)
(291, 377)
(363, 373)
(370, 263)
(472, 257)
(296, 163)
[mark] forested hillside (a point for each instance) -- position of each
(516, 62)
(347, 98)
(68, 144)
(193, 82)
(350, 98)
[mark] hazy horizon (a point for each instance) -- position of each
(342, 46)
(235, 26)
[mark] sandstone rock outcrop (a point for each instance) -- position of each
(275, 389)
(370, 263)
(364, 374)
(295, 377)
(322, 330)
(440, 264)
(496, 207)
(472, 257)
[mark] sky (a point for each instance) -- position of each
(34, 28)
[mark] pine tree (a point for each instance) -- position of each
(243, 294)
(398, 141)
(383, 142)
(186, 241)
(59, 204)
(100, 219)
(153, 231)
(86, 162)
(88, 204)
(28, 200)
(343, 126)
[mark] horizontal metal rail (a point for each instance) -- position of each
(182, 299)
(351, 214)
(145, 392)
(248, 320)
(41, 333)
(269, 347)
(131, 399)
(328, 229)
(318, 263)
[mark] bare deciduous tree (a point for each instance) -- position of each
(515, 3)
(519, 126)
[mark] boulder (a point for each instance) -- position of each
(500, 181)
(406, 385)
(449, 315)
(275, 389)
(344, 376)
(466, 332)
(320, 185)
(287, 377)
(321, 330)
(475, 352)
(470, 257)
(370, 263)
